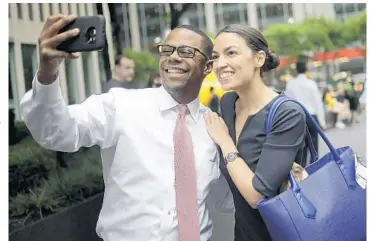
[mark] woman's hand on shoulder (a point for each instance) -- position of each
(216, 127)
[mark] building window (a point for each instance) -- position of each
(231, 13)
(345, 10)
(103, 77)
(86, 60)
(290, 9)
(119, 18)
(79, 9)
(338, 8)
(194, 16)
(350, 7)
(29, 58)
(143, 28)
(154, 36)
(123, 31)
(361, 6)
(245, 14)
(218, 10)
(86, 7)
(41, 10)
(70, 69)
(19, 11)
(94, 9)
(30, 11)
(274, 13)
(270, 13)
(69, 8)
(260, 10)
(273, 10)
(201, 15)
(126, 27)
(10, 93)
(51, 10)
(12, 78)
(154, 24)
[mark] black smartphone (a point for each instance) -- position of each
(92, 35)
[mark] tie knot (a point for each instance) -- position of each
(182, 109)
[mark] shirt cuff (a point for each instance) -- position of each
(261, 187)
(46, 93)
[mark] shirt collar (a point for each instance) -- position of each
(301, 76)
(166, 102)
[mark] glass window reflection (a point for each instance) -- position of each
(231, 13)
(29, 59)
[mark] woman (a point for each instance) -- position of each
(255, 165)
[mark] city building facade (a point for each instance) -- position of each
(139, 26)
(78, 78)
(153, 25)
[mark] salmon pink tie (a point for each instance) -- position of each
(185, 181)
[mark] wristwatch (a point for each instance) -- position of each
(230, 157)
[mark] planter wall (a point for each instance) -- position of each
(77, 223)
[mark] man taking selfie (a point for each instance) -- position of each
(158, 159)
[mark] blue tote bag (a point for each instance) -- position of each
(328, 205)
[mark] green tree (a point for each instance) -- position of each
(316, 34)
(323, 33)
(145, 64)
(354, 29)
(286, 39)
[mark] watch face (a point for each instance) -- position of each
(231, 156)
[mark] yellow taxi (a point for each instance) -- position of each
(205, 94)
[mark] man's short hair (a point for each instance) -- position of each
(206, 41)
(301, 67)
(119, 57)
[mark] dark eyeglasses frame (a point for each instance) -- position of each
(174, 48)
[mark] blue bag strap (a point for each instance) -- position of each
(283, 99)
(269, 124)
(346, 171)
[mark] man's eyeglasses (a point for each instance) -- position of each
(183, 51)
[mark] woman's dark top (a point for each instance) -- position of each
(269, 157)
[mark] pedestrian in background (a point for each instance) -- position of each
(123, 74)
(306, 91)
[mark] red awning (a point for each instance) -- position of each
(350, 53)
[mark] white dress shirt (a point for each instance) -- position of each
(306, 91)
(134, 129)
